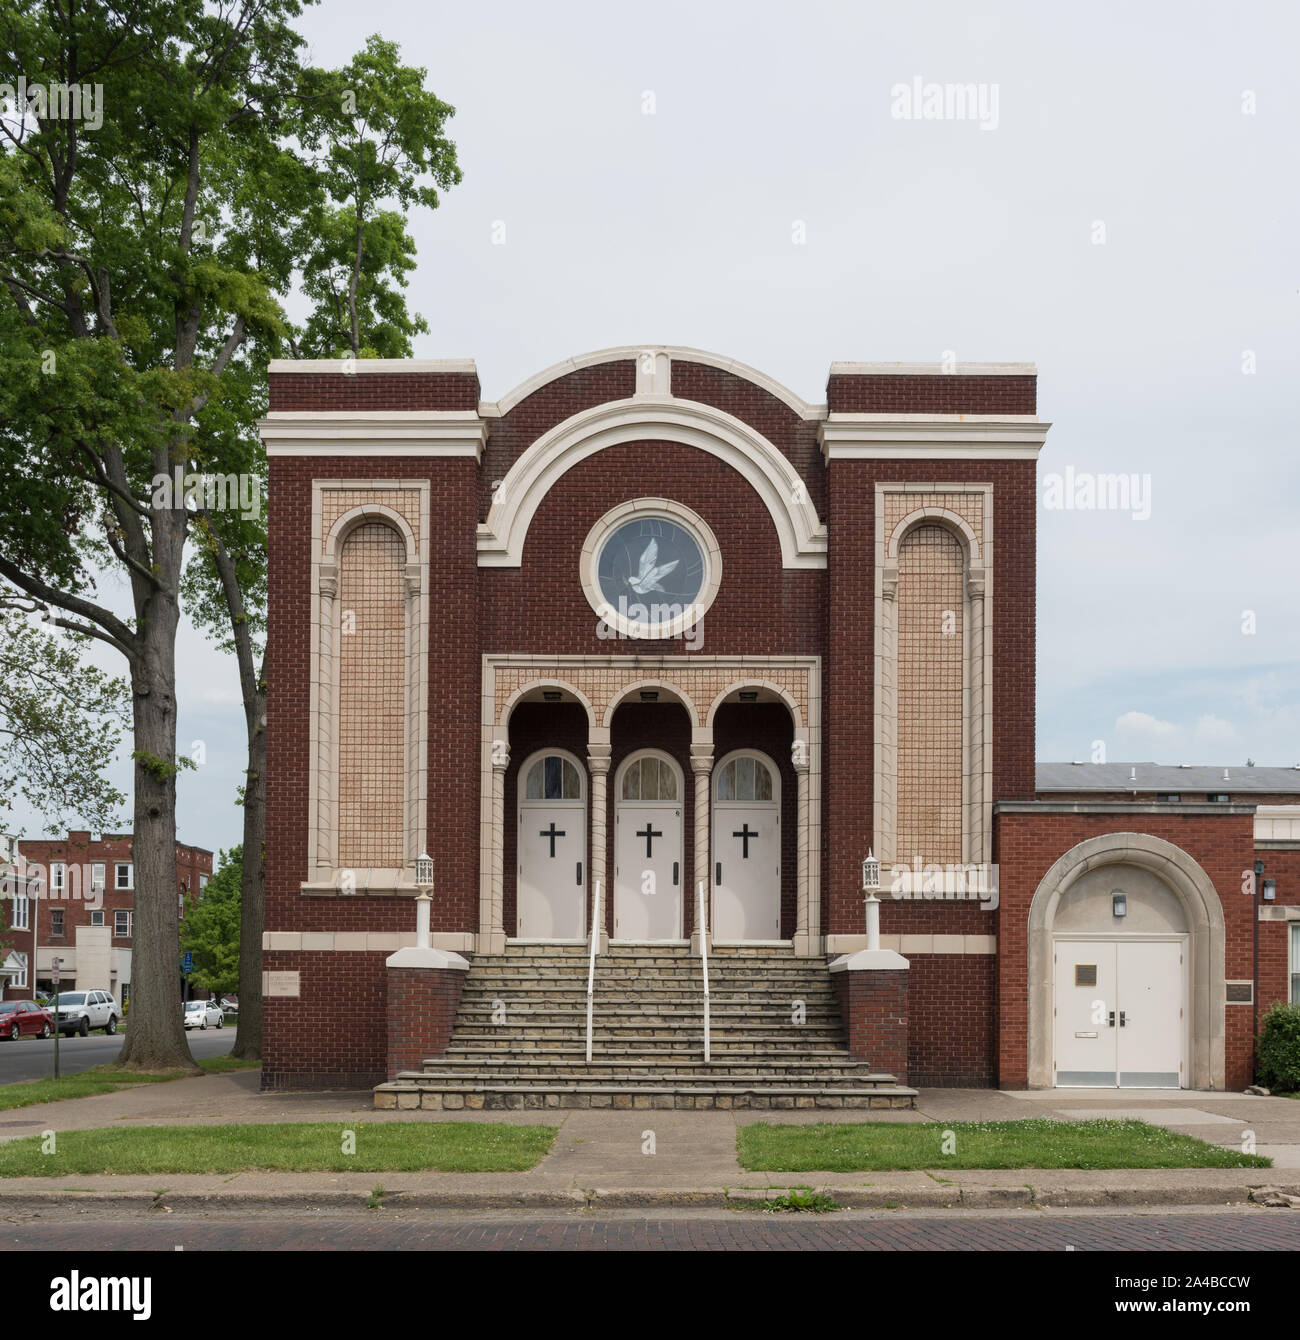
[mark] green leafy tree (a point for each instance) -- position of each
(374, 138)
(60, 726)
(146, 251)
(210, 930)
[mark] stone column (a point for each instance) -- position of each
(978, 839)
(598, 760)
(702, 772)
(804, 931)
(495, 931)
(885, 804)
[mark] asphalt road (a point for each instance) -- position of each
(33, 1058)
(1255, 1230)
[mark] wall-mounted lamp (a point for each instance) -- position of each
(1270, 890)
(1118, 905)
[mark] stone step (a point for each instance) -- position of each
(499, 1097)
(611, 1070)
(614, 1045)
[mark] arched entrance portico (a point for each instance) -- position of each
(1189, 895)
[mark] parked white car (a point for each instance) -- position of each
(201, 1013)
(80, 1011)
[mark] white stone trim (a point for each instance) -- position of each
(353, 367)
(643, 353)
(664, 508)
(373, 433)
(701, 683)
(977, 661)
(324, 874)
(801, 533)
(934, 370)
(360, 942)
(932, 437)
(917, 944)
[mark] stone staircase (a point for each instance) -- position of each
(520, 1035)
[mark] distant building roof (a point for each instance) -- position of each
(1171, 777)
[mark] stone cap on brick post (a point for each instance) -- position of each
(413, 956)
(870, 960)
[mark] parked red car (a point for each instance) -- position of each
(24, 1016)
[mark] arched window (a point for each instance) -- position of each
(743, 779)
(650, 778)
(553, 778)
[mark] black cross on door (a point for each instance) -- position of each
(744, 835)
(552, 834)
(649, 834)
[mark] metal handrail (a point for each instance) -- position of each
(704, 963)
(591, 964)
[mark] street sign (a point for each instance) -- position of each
(188, 962)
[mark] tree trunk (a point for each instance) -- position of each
(252, 915)
(155, 1034)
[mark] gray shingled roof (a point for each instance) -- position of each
(1163, 777)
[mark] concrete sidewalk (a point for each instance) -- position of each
(600, 1159)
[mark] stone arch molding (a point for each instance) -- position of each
(1207, 990)
(801, 534)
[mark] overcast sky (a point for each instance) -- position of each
(1124, 216)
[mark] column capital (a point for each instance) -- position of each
(701, 760)
(975, 583)
(599, 757)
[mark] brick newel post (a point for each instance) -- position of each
(871, 988)
(424, 986)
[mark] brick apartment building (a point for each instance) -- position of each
(83, 890)
(651, 623)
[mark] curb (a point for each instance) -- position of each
(67, 1202)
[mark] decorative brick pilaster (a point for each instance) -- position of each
(873, 1005)
(422, 1005)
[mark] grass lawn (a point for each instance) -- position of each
(887, 1146)
(103, 1079)
(459, 1146)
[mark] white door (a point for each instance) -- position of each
(552, 848)
(1085, 1014)
(1151, 1025)
(1120, 1011)
(746, 848)
(648, 876)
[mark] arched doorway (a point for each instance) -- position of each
(649, 828)
(746, 848)
(1171, 912)
(552, 847)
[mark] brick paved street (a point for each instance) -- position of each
(861, 1231)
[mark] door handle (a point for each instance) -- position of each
(674, 874)
(579, 878)
(1111, 1020)
(717, 873)
(1123, 1018)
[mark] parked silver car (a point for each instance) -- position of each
(80, 1011)
(201, 1013)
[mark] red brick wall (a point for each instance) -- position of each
(953, 393)
(1029, 844)
(334, 1034)
(306, 392)
(422, 1004)
(875, 1009)
(952, 1038)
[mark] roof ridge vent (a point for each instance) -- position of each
(1132, 774)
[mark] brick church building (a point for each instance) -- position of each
(654, 649)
